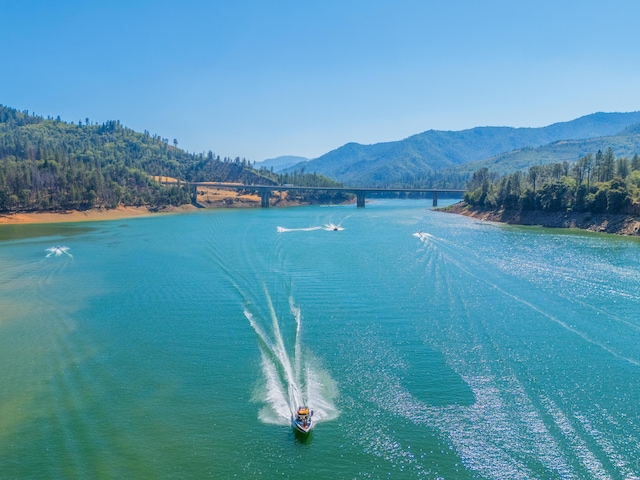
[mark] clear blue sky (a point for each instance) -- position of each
(260, 79)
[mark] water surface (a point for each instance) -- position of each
(428, 345)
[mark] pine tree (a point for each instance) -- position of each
(607, 168)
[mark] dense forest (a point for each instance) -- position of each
(49, 164)
(302, 179)
(599, 183)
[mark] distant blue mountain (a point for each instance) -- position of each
(281, 163)
(432, 151)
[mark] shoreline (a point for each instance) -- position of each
(208, 198)
(617, 224)
(92, 215)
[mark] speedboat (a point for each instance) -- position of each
(301, 420)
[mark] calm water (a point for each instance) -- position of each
(175, 347)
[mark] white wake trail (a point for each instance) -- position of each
(327, 227)
(280, 352)
(308, 229)
(296, 348)
(533, 307)
(289, 380)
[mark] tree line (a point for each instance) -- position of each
(599, 183)
(49, 164)
(300, 178)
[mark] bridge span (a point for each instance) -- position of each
(359, 192)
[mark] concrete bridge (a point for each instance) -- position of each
(359, 192)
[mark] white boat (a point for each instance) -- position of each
(301, 420)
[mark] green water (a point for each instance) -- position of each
(175, 347)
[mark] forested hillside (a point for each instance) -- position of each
(623, 144)
(428, 159)
(597, 183)
(48, 164)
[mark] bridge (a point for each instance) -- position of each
(359, 192)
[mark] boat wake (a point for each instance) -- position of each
(57, 251)
(423, 235)
(329, 227)
(332, 227)
(291, 375)
(547, 426)
(308, 229)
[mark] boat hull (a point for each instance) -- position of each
(300, 428)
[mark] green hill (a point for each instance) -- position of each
(624, 144)
(48, 164)
(419, 159)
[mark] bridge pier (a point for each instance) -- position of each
(264, 198)
(194, 193)
(360, 199)
(435, 199)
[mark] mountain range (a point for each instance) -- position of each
(625, 143)
(281, 163)
(428, 156)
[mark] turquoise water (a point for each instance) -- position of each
(428, 345)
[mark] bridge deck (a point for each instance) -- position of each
(360, 192)
(272, 188)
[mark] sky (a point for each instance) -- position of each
(259, 79)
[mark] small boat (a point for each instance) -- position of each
(301, 420)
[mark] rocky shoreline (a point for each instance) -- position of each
(618, 224)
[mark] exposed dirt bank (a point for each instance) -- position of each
(594, 222)
(87, 215)
(207, 198)
(210, 197)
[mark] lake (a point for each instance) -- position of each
(428, 345)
